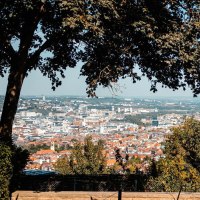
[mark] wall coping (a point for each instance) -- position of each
(78, 195)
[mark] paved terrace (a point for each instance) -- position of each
(30, 195)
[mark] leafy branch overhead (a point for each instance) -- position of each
(111, 37)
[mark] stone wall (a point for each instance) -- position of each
(30, 195)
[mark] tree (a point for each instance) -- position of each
(62, 166)
(34, 148)
(87, 158)
(161, 38)
(124, 164)
(132, 165)
(110, 37)
(180, 167)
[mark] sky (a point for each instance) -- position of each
(73, 84)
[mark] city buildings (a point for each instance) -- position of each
(135, 126)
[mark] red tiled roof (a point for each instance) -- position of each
(46, 151)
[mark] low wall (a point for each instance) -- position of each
(30, 195)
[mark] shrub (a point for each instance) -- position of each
(6, 170)
(12, 161)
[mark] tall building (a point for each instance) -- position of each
(154, 121)
(113, 108)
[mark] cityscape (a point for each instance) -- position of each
(136, 126)
(99, 96)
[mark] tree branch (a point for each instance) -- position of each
(31, 23)
(7, 47)
(32, 61)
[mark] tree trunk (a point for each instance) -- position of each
(15, 81)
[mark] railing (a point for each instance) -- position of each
(107, 182)
(82, 183)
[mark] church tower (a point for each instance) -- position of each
(52, 146)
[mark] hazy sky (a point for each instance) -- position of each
(36, 84)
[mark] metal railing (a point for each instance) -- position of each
(82, 183)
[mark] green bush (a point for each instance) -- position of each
(179, 169)
(6, 170)
(19, 160)
(12, 161)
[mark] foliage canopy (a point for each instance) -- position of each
(181, 165)
(87, 158)
(111, 37)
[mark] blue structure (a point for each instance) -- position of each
(38, 172)
(154, 121)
